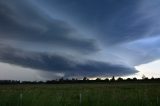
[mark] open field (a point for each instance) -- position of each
(113, 94)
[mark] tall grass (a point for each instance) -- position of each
(80, 95)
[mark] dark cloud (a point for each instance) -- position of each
(113, 21)
(117, 23)
(28, 24)
(60, 64)
(44, 32)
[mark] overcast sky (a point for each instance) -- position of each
(49, 39)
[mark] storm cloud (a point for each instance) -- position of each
(80, 37)
(26, 24)
(69, 66)
(113, 21)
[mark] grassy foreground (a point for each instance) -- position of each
(114, 94)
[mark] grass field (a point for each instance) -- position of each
(120, 94)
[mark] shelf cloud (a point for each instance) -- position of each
(79, 37)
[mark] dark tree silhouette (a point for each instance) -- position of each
(134, 79)
(128, 79)
(120, 79)
(113, 79)
(85, 78)
(98, 79)
(106, 79)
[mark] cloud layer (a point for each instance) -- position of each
(80, 38)
(60, 64)
(28, 25)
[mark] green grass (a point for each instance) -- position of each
(120, 94)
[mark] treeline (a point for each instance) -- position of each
(84, 80)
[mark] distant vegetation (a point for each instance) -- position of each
(84, 80)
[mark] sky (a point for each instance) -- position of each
(51, 39)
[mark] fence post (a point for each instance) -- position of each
(21, 97)
(80, 99)
(157, 100)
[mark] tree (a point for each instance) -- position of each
(120, 79)
(144, 77)
(85, 78)
(113, 79)
(128, 79)
(98, 79)
(134, 79)
(61, 79)
(107, 80)
(152, 78)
